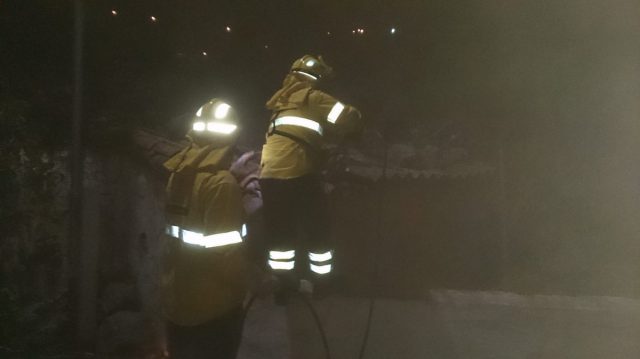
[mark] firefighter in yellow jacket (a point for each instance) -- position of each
(205, 269)
(295, 212)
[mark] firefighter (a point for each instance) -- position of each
(205, 276)
(295, 210)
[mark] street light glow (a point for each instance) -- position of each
(227, 28)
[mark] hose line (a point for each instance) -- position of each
(316, 318)
(312, 310)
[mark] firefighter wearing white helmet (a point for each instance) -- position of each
(205, 272)
(296, 216)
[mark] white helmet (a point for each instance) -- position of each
(216, 117)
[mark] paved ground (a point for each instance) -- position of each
(451, 324)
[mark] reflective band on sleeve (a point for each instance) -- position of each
(321, 257)
(282, 255)
(335, 112)
(299, 121)
(324, 269)
(224, 128)
(282, 265)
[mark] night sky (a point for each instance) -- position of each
(411, 84)
(154, 71)
(486, 70)
(437, 76)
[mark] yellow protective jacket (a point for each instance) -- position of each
(199, 283)
(292, 150)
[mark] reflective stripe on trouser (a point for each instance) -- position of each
(282, 260)
(207, 241)
(296, 217)
(321, 262)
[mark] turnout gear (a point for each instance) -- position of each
(206, 268)
(302, 116)
(205, 275)
(296, 215)
(297, 224)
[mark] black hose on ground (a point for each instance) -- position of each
(248, 306)
(314, 313)
(316, 318)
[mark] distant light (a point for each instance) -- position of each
(393, 30)
(153, 18)
(227, 29)
(353, 31)
(114, 12)
(204, 53)
(361, 31)
(266, 46)
(329, 33)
